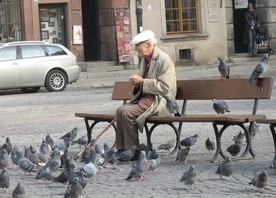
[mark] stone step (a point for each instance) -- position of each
(99, 66)
(244, 58)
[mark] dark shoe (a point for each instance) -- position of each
(118, 152)
(136, 156)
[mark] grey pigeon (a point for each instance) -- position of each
(220, 106)
(224, 68)
(167, 145)
(234, 150)
(91, 169)
(46, 173)
(34, 158)
(260, 180)
(25, 164)
(27, 151)
(153, 154)
(4, 158)
(43, 153)
(80, 176)
(19, 191)
(254, 129)
(172, 106)
(98, 148)
(71, 134)
(82, 140)
(240, 139)
(14, 156)
(189, 177)
(49, 140)
(105, 146)
(182, 155)
(143, 147)
(128, 154)
(140, 168)
(189, 141)
(154, 163)
(4, 180)
(63, 144)
(8, 145)
(226, 168)
(210, 144)
(66, 174)
(260, 69)
(74, 189)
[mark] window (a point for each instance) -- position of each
(10, 21)
(8, 53)
(55, 50)
(181, 16)
(32, 51)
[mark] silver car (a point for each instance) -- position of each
(29, 65)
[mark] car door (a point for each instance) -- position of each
(34, 65)
(9, 68)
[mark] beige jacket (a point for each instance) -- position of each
(161, 81)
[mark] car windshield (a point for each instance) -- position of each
(55, 50)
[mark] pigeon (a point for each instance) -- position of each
(210, 144)
(27, 151)
(66, 174)
(224, 68)
(4, 158)
(167, 146)
(153, 154)
(43, 153)
(80, 176)
(14, 156)
(46, 173)
(220, 106)
(71, 134)
(63, 144)
(154, 163)
(128, 154)
(19, 191)
(25, 164)
(172, 106)
(4, 180)
(98, 148)
(226, 168)
(260, 180)
(74, 189)
(140, 168)
(260, 69)
(234, 150)
(254, 129)
(49, 140)
(8, 145)
(143, 147)
(240, 139)
(189, 177)
(182, 154)
(80, 141)
(189, 141)
(91, 169)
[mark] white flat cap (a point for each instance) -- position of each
(144, 36)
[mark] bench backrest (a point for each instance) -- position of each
(208, 89)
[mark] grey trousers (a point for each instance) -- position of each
(127, 133)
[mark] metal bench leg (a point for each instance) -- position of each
(218, 134)
(248, 141)
(272, 129)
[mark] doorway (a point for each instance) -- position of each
(239, 25)
(91, 34)
(52, 23)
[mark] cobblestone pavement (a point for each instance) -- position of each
(27, 118)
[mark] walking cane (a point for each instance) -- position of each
(97, 137)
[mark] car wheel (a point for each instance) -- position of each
(56, 80)
(30, 89)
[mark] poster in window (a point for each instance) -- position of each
(123, 32)
(45, 34)
(77, 34)
(45, 15)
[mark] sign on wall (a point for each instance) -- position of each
(213, 10)
(123, 31)
(241, 4)
(77, 34)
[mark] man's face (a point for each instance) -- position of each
(142, 49)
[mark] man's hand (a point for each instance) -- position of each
(136, 80)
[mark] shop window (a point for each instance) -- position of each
(182, 16)
(10, 21)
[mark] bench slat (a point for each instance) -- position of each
(224, 89)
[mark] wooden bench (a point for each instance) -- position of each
(230, 89)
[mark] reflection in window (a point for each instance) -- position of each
(182, 16)
(55, 50)
(8, 53)
(10, 21)
(31, 51)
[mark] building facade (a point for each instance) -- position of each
(192, 32)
